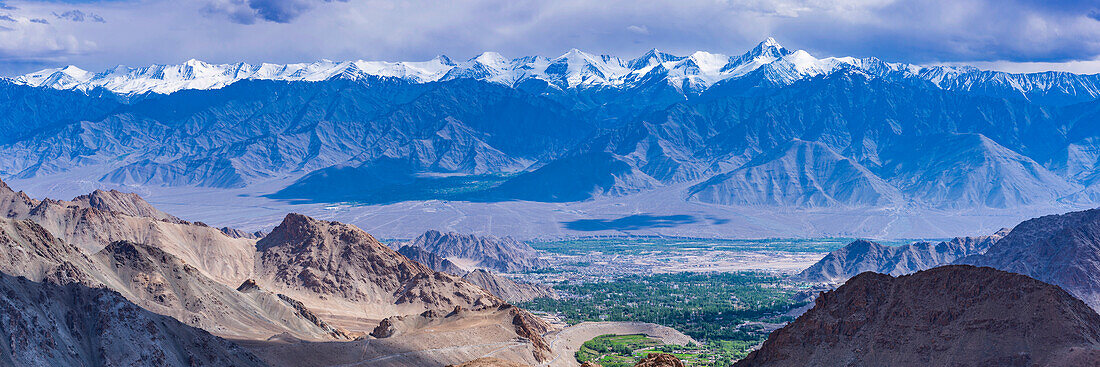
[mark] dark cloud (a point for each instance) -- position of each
(6, 18)
(252, 11)
(40, 21)
(5, 6)
(1095, 14)
(79, 16)
(953, 30)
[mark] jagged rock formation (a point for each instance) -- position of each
(510, 290)
(236, 233)
(431, 260)
(1063, 250)
(502, 254)
(344, 268)
(950, 315)
(659, 360)
(489, 362)
(72, 325)
(862, 256)
(126, 203)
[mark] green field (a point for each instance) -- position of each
(710, 307)
(626, 350)
(617, 350)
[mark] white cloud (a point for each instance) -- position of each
(639, 29)
(920, 31)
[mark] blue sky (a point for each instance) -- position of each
(1013, 35)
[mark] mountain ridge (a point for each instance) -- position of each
(573, 69)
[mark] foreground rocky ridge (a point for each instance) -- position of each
(950, 315)
(149, 276)
(304, 282)
(1063, 250)
(46, 324)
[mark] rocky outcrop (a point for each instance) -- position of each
(862, 256)
(950, 315)
(531, 328)
(504, 254)
(46, 324)
(510, 290)
(14, 204)
(659, 360)
(1063, 250)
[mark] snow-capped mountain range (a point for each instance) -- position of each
(768, 128)
(574, 69)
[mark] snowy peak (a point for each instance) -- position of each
(576, 69)
(769, 47)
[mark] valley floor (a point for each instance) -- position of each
(660, 212)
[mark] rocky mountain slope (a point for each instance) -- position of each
(824, 178)
(299, 282)
(428, 339)
(510, 290)
(862, 256)
(126, 203)
(47, 324)
(347, 271)
(503, 254)
(944, 316)
(1063, 250)
(431, 260)
(156, 281)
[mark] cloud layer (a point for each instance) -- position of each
(995, 33)
(252, 11)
